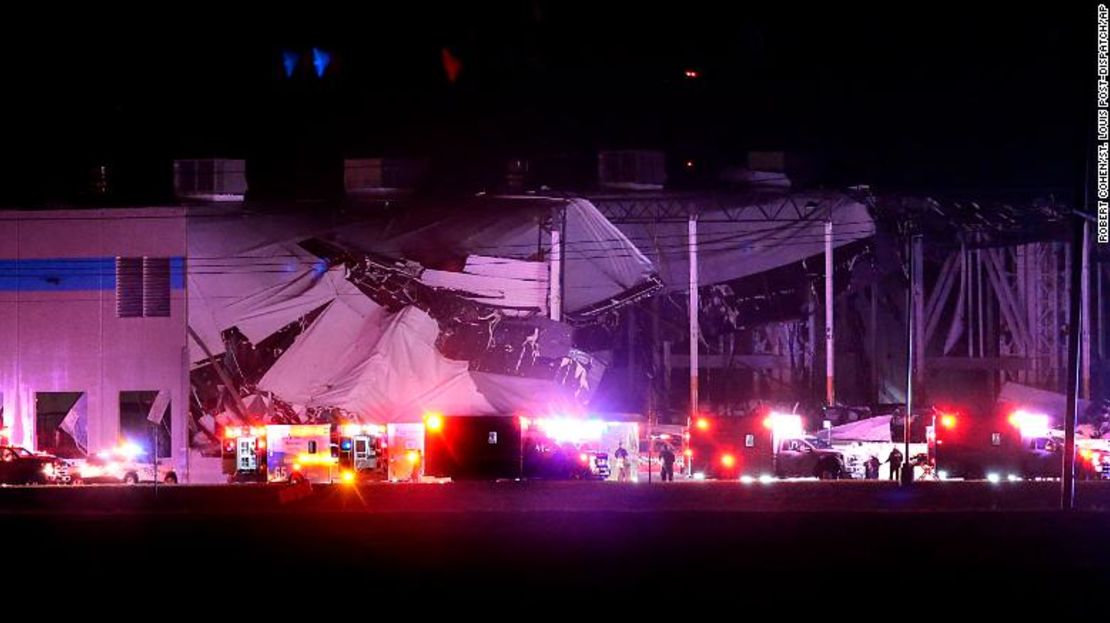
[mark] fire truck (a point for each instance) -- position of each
(1009, 444)
(763, 445)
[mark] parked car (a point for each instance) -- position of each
(19, 466)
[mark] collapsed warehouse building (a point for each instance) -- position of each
(380, 307)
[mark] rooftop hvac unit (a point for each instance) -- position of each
(210, 179)
(632, 169)
(369, 174)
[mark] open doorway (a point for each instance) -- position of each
(144, 419)
(61, 424)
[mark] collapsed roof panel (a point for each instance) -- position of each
(329, 351)
(443, 306)
(737, 235)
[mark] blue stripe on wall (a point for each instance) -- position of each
(70, 274)
(177, 273)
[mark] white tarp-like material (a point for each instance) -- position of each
(382, 368)
(876, 429)
(495, 281)
(1052, 404)
(247, 271)
(328, 352)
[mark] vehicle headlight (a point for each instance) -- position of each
(48, 469)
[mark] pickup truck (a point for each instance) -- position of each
(19, 466)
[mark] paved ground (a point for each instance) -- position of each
(685, 544)
(508, 496)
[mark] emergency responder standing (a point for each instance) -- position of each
(872, 467)
(895, 460)
(621, 455)
(666, 457)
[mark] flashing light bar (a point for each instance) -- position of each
(351, 430)
(571, 429)
(784, 424)
(129, 450)
(1030, 424)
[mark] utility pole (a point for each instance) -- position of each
(692, 240)
(1075, 314)
(913, 296)
(830, 322)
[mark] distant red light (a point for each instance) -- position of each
(692, 74)
(703, 424)
(728, 460)
(948, 421)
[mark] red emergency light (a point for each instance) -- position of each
(433, 422)
(702, 424)
(728, 461)
(948, 420)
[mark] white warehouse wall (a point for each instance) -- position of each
(59, 331)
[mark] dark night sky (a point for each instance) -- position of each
(907, 95)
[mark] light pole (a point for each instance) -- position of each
(912, 300)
